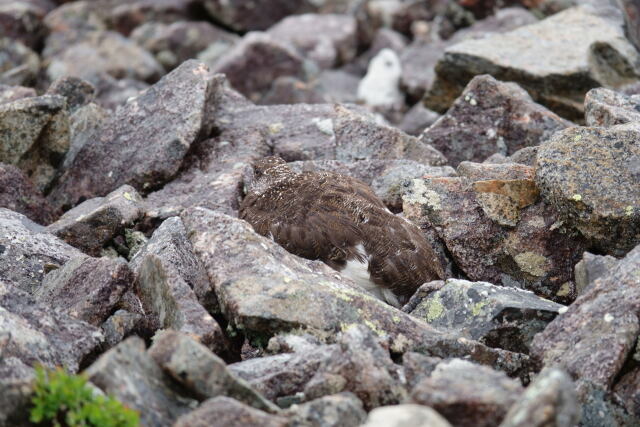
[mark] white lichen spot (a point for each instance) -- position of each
(563, 310)
(324, 125)
(128, 196)
(532, 263)
(608, 317)
(275, 128)
(628, 211)
(424, 196)
(576, 197)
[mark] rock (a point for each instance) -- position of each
(34, 135)
(387, 178)
(496, 230)
(628, 390)
(18, 194)
(13, 93)
(119, 325)
(174, 43)
(290, 90)
(112, 93)
(130, 375)
(606, 108)
(337, 410)
(32, 334)
(417, 119)
(590, 175)
(332, 42)
(125, 15)
(467, 394)
(592, 267)
(405, 415)
(122, 152)
(417, 367)
(549, 400)
(491, 117)
(22, 20)
(19, 65)
(202, 372)
(631, 11)
(78, 92)
(601, 56)
(256, 61)
(83, 124)
(86, 288)
(16, 378)
(93, 223)
(418, 63)
(380, 86)
(497, 316)
(502, 20)
(27, 252)
(594, 337)
(227, 412)
(599, 408)
(384, 38)
(104, 51)
(262, 290)
(251, 15)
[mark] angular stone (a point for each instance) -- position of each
(491, 117)
(592, 267)
(338, 410)
(332, 42)
(18, 194)
(27, 252)
(593, 339)
(16, 380)
(129, 374)
(202, 372)
(119, 325)
(256, 61)
(497, 316)
(34, 135)
(605, 108)
(86, 288)
(262, 289)
(227, 412)
(407, 414)
(22, 20)
(91, 224)
(417, 120)
(467, 394)
(84, 123)
(78, 92)
(549, 400)
(174, 43)
(104, 51)
(33, 334)
(144, 143)
(19, 65)
(628, 390)
(250, 15)
(417, 367)
(13, 93)
(601, 56)
(491, 236)
(590, 175)
(125, 15)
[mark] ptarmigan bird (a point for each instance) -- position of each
(339, 220)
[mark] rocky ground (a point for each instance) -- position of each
(511, 136)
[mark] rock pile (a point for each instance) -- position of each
(509, 136)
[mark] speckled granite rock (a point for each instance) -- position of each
(590, 175)
(227, 412)
(13, 93)
(337, 410)
(19, 65)
(605, 107)
(18, 194)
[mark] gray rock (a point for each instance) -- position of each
(497, 316)
(120, 325)
(19, 65)
(86, 288)
(592, 267)
(467, 394)
(417, 119)
(549, 400)
(13, 93)
(256, 61)
(417, 367)
(407, 414)
(112, 93)
(34, 135)
(594, 338)
(33, 334)
(497, 230)
(18, 194)
(125, 15)
(202, 372)
(144, 143)
(250, 15)
(631, 11)
(27, 252)
(601, 56)
(84, 123)
(227, 412)
(590, 175)
(332, 42)
(605, 108)
(130, 375)
(627, 389)
(92, 224)
(337, 410)
(491, 117)
(16, 380)
(600, 407)
(78, 92)
(22, 20)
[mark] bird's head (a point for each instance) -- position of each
(266, 172)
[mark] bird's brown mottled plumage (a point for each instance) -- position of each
(325, 215)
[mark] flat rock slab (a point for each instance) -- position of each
(490, 117)
(498, 316)
(593, 339)
(28, 252)
(536, 57)
(93, 223)
(590, 175)
(18, 194)
(262, 289)
(143, 144)
(33, 333)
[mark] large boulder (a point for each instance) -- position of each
(18, 194)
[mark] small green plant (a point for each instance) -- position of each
(64, 400)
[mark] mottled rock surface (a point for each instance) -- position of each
(337, 410)
(605, 107)
(18, 65)
(18, 194)
(227, 412)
